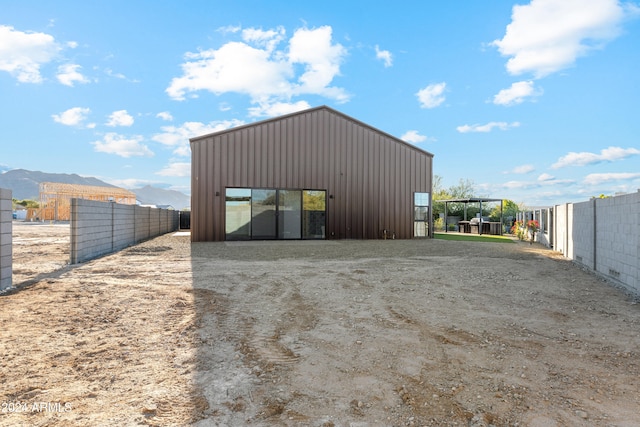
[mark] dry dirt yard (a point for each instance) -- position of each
(324, 333)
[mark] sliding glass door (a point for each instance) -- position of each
(262, 214)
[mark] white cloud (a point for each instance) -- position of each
(522, 169)
(584, 158)
(119, 145)
(68, 74)
(277, 109)
(229, 29)
(542, 181)
(120, 118)
(385, 56)
(165, 115)
(176, 169)
(516, 94)
(268, 39)
(109, 72)
(545, 177)
(487, 127)
(519, 185)
(599, 178)
(235, 67)
(322, 60)
(546, 36)
(267, 74)
(431, 96)
(178, 136)
(413, 136)
(72, 117)
(23, 53)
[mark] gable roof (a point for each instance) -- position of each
(302, 112)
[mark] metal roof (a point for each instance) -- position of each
(470, 200)
(309, 110)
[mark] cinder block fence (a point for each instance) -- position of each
(606, 238)
(100, 228)
(602, 235)
(6, 218)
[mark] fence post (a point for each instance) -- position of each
(113, 225)
(595, 235)
(6, 248)
(566, 232)
(73, 258)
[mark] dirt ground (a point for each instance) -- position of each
(323, 333)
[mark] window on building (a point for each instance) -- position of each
(314, 214)
(421, 214)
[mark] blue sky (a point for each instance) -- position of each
(536, 101)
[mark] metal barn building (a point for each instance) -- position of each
(313, 174)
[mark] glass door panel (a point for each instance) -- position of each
(421, 215)
(314, 208)
(238, 213)
(263, 214)
(289, 214)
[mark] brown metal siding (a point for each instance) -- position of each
(371, 175)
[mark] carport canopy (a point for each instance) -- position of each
(466, 202)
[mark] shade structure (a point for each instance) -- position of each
(466, 201)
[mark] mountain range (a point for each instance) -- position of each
(25, 184)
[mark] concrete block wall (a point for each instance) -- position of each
(91, 229)
(123, 226)
(167, 221)
(154, 222)
(584, 237)
(618, 239)
(6, 249)
(602, 235)
(100, 228)
(163, 221)
(142, 223)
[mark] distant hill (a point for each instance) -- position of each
(149, 195)
(25, 184)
